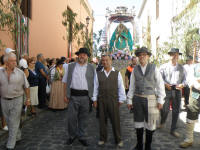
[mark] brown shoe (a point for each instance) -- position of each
(185, 144)
(160, 126)
(175, 134)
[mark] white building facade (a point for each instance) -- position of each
(159, 23)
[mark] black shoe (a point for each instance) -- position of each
(138, 147)
(19, 141)
(9, 148)
(84, 142)
(70, 141)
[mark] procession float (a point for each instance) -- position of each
(119, 44)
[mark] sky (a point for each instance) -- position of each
(99, 8)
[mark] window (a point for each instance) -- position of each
(26, 8)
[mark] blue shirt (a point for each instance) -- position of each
(38, 67)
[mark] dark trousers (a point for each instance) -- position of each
(42, 96)
(175, 96)
(109, 109)
(186, 94)
(78, 110)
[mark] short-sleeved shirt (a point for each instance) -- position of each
(38, 67)
(13, 87)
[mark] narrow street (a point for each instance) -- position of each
(48, 132)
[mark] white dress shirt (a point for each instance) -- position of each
(171, 74)
(189, 72)
(65, 66)
(79, 81)
(121, 89)
(193, 81)
(159, 89)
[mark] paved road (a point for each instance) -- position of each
(48, 132)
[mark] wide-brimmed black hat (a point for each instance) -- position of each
(142, 50)
(59, 62)
(174, 50)
(83, 50)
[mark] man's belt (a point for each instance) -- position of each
(144, 96)
(9, 99)
(79, 92)
(173, 87)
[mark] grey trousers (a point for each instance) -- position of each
(78, 111)
(175, 96)
(12, 112)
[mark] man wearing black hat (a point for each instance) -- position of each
(189, 68)
(174, 76)
(79, 82)
(146, 96)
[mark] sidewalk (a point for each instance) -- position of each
(25, 118)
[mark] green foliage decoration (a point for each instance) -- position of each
(75, 31)
(9, 11)
(185, 32)
(96, 41)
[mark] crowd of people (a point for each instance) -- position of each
(78, 84)
(24, 87)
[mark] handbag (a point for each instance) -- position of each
(48, 89)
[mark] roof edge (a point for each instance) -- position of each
(142, 8)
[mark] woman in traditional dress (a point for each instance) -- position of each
(57, 87)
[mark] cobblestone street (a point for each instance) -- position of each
(48, 132)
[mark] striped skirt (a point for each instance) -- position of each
(57, 96)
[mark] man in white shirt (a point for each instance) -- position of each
(193, 108)
(79, 86)
(189, 68)
(146, 97)
(110, 93)
(174, 77)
